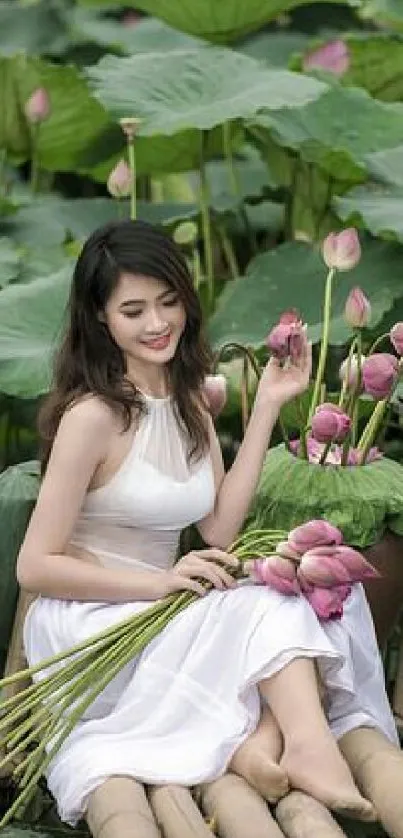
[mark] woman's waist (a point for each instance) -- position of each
(111, 545)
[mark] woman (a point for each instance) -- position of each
(130, 459)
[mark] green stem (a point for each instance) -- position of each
(35, 159)
(234, 186)
(229, 253)
(376, 343)
(345, 384)
(196, 268)
(133, 187)
(204, 199)
(324, 345)
(371, 429)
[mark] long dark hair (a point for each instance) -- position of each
(89, 360)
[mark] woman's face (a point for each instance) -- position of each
(146, 319)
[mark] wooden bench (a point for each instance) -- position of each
(227, 807)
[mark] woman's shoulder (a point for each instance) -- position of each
(89, 414)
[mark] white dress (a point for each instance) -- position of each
(181, 709)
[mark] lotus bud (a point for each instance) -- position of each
(379, 374)
(120, 180)
(37, 108)
(215, 392)
(320, 566)
(316, 533)
(327, 603)
(130, 125)
(342, 251)
(286, 340)
(352, 372)
(283, 549)
(396, 336)
(374, 453)
(330, 423)
(354, 563)
(333, 57)
(186, 233)
(357, 311)
(278, 573)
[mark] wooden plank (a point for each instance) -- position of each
(236, 810)
(301, 816)
(176, 812)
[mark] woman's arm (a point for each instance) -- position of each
(80, 447)
(236, 488)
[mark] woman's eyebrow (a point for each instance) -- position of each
(142, 302)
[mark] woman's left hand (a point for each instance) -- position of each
(279, 384)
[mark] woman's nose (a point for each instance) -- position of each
(155, 321)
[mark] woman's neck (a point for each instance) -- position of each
(153, 382)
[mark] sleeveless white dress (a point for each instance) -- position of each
(179, 711)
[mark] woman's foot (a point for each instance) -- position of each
(318, 768)
(257, 760)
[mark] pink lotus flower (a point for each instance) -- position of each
(329, 566)
(353, 372)
(353, 561)
(342, 251)
(286, 339)
(120, 180)
(327, 603)
(215, 392)
(278, 573)
(330, 423)
(320, 567)
(316, 533)
(37, 108)
(396, 336)
(333, 57)
(379, 374)
(283, 549)
(357, 311)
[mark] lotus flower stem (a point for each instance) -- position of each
(377, 343)
(204, 198)
(196, 268)
(229, 252)
(371, 429)
(133, 183)
(345, 383)
(323, 346)
(35, 158)
(324, 453)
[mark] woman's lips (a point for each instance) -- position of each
(158, 343)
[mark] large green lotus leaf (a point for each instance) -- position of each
(387, 166)
(252, 176)
(149, 35)
(293, 275)
(77, 218)
(337, 130)
(377, 65)
(33, 28)
(195, 88)
(374, 206)
(275, 48)
(76, 118)
(31, 317)
(10, 261)
(18, 490)
(221, 21)
(14, 134)
(362, 501)
(154, 155)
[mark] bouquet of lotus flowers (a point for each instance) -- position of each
(311, 561)
(335, 468)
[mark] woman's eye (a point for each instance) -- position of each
(171, 301)
(133, 313)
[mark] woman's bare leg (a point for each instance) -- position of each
(257, 759)
(311, 756)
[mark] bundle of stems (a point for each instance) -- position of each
(36, 721)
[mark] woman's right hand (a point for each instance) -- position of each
(206, 564)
